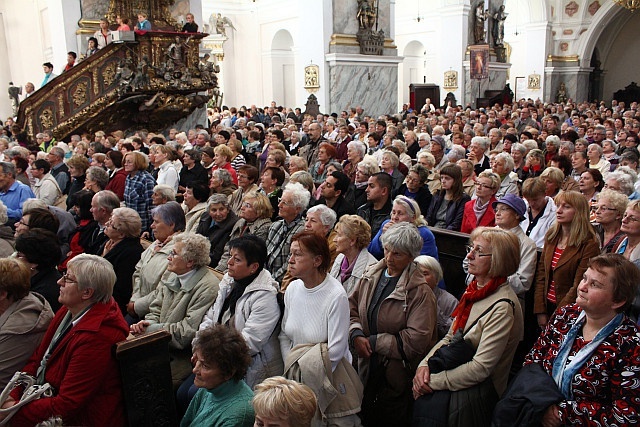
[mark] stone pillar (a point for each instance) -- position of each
(574, 77)
(453, 28)
(356, 79)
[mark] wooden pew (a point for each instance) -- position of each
(146, 380)
(451, 251)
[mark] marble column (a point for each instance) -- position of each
(575, 78)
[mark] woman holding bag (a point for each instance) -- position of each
(489, 319)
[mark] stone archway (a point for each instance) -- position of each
(411, 70)
(283, 68)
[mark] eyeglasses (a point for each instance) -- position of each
(477, 251)
(281, 200)
(21, 222)
(602, 208)
(240, 176)
(502, 209)
(173, 254)
(66, 279)
(488, 187)
(247, 205)
(630, 218)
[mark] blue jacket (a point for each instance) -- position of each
(428, 248)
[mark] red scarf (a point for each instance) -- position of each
(471, 295)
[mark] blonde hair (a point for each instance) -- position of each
(224, 151)
(355, 227)
(580, 229)
(505, 250)
(282, 399)
(412, 208)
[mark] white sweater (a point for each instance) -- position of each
(316, 315)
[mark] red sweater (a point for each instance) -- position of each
(469, 222)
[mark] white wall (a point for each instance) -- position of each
(621, 61)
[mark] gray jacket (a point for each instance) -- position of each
(364, 261)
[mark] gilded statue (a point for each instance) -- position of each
(367, 14)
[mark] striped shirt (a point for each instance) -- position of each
(551, 293)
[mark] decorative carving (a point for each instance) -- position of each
(80, 94)
(46, 118)
(371, 41)
(481, 16)
(567, 32)
(109, 74)
(96, 83)
(571, 8)
(594, 7)
(450, 80)
(60, 106)
(534, 81)
(218, 23)
(561, 95)
(312, 78)
(564, 46)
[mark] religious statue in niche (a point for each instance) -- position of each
(219, 22)
(14, 92)
(561, 96)
(177, 51)
(451, 80)
(481, 16)
(534, 81)
(498, 26)
(367, 14)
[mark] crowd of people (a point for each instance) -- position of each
(322, 232)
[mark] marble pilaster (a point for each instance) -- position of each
(369, 81)
(575, 78)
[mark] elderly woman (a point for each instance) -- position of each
(569, 244)
(162, 194)
(247, 177)
(351, 240)
(96, 179)
(216, 224)
(355, 153)
(553, 179)
(24, 318)
(393, 325)
(446, 303)
(221, 160)
(78, 166)
(326, 154)
(468, 176)
(317, 314)
(282, 402)
(489, 318)
(168, 219)
(195, 204)
(247, 302)
(447, 205)
(597, 161)
(221, 358)
(600, 380)
(609, 209)
(139, 186)
(364, 170)
(534, 164)
(503, 166)
(76, 355)
(479, 212)
(389, 163)
(254, 218)
(629, 246)
(182, 299)
(415, 187)
(221, 182)
(407, 210)
(590, 184)
(162, 156)
(123, 251)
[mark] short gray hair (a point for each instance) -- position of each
(165, 191)
(196, 248)
(170, 213)
(304, 178)
(130, 222)
(3, 214)
(94, 272)
(482, 141)
(597, 147)
(8, 167)
(218, 198)
(393, 158)
(327, 215)
(456, 153)
(31, 204)
(223, 175)
(508, 160)
(357, 146)
(519, 147)
(107, 200)
(403, 237)
(299, 194)
(369, 165)
(626, 183)
(431, 264)
(57, 151)
(99, 175)
(553, 139)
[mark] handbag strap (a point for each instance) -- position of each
(513, 307)
(405, 359)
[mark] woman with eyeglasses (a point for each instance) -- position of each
(489, 316)
(76, 356)
(479, 212)
(609, 210)
(568, 245)
(415, 187)
(247, 177)
(628, 247)
(365, 169)
(123, 251)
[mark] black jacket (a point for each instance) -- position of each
(455, 211)
(373, 217)
(342, 207)
(423, 197)
(124, 256)
(218, 234)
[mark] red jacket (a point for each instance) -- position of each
(117, 183)
(469, 222)
(227, 166)
(82, 370)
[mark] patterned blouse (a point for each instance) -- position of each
(607, 387)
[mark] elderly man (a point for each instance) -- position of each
(309, 151)
(13, 193)
(524, 120)
(182, 300)
(59, 169)
(476, 154)
(294, 200)
(46, 187)
(102, 205)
